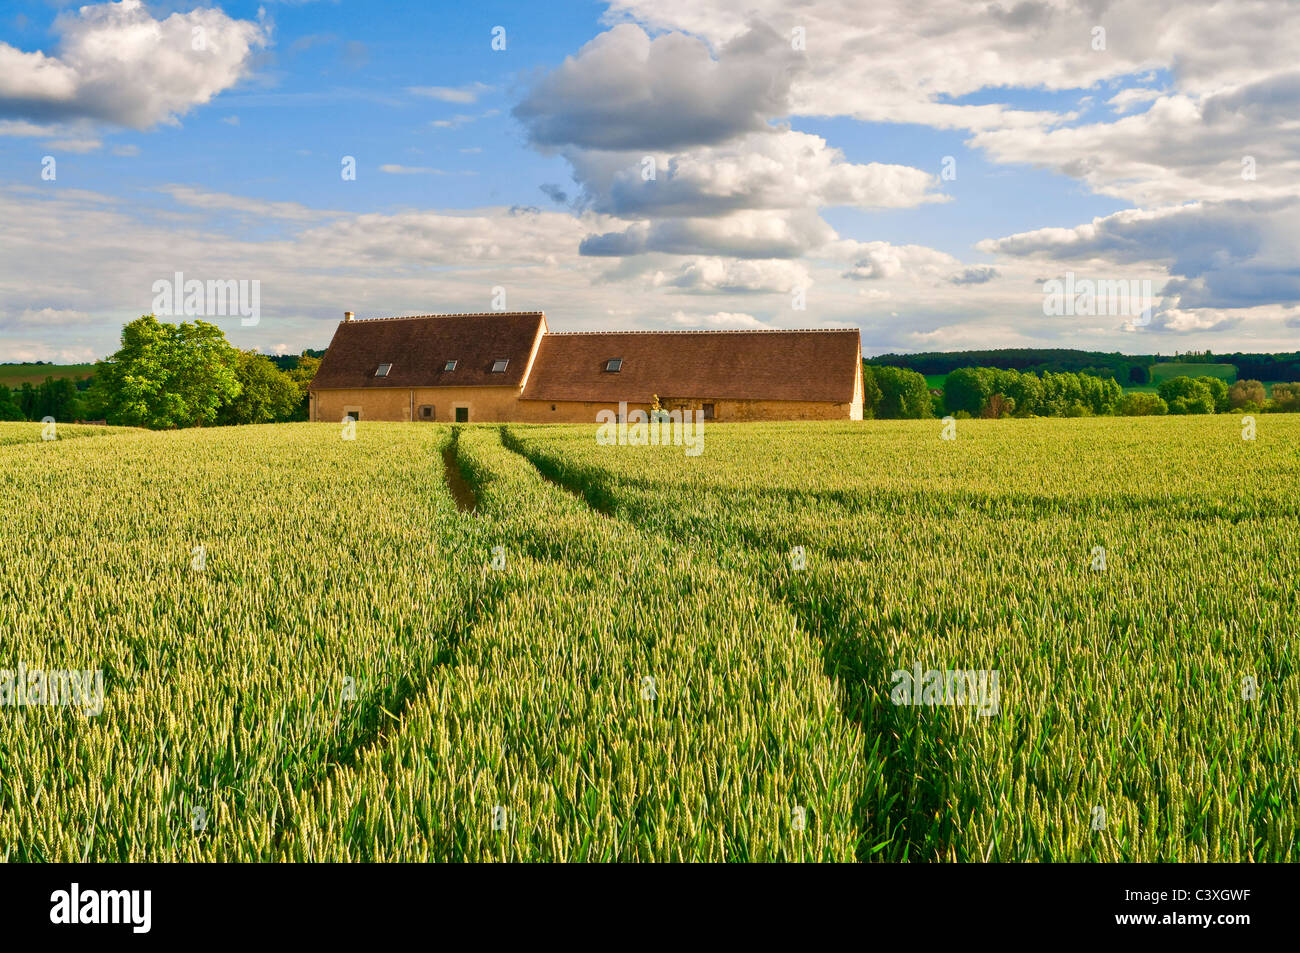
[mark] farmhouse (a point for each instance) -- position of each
(509, 367)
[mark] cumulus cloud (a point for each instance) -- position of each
(975, 276)
(721, 276)
(902, 61)
(1180, 321)
(680, 141)
(873, 261)
(748, 234)
(1241, 142)
(115, 63)
(626, 90)
(759, 171)
(1220, 255)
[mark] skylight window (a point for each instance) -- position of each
(383, 370)
(614, 365)
(499, 365)
(449, 366)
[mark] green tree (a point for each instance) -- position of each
(167, 375)
(1063, 396)
(306, 367)
(904, 394)
(27, 400)
(968, 389)
(266, 393)
(1187, 396)
(1143, 405)
(1218, 388)
(1027, 392)
(58, 398)
(9, 409)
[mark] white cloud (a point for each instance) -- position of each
(78, 146)
(902, 61)
(115, 63)
(746, 234)
(717, 320)
(625, 90)
(469, 93)
(1218, 254)
(727, 276)
(873, 261)
(258, 208)
(392, 169)
(783, 170)
(52, 317)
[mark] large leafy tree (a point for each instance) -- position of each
(903, 393)
(167, 375)
(968, 389)
(1187, 396)
(266, 393)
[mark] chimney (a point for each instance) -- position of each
(347, 315)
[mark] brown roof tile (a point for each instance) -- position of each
(419, 348)
(727, 365)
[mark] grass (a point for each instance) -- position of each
(34, 431)
(1165, 370)
(15, 375)
(588, 652)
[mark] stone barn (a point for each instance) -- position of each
(509, 367)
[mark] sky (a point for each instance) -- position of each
(931, 172)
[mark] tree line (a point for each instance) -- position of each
(1126, 369)
(895, 392)
(57, 397)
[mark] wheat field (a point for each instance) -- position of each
(310, 651)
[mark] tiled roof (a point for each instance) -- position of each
(727, 365)
(420, 347)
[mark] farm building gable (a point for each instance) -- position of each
(450, 350)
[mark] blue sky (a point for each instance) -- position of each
(781, 167)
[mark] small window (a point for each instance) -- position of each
(449, 366)
(708, 411)
(462, 415)
(426, 412)
(614, 365)
(499, 365)
(383, 370)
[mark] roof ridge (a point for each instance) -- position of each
(712, 331)
(453, 314)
